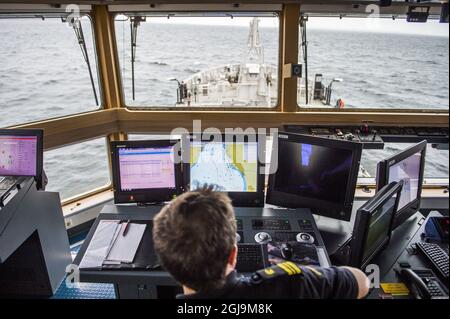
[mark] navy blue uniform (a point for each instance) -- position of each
(286, 281)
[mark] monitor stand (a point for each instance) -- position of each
(341, 257)
(336, 233)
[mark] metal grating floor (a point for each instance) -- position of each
(84, 290)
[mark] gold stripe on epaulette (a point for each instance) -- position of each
(283, 266)
(288, 265)
(269, 271)
(296, 269)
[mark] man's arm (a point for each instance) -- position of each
(362, 280)
(288, 280)
(334, 283)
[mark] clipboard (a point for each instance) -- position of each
(145, 257)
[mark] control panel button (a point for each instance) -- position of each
(239, 224)
(271, 224)
(305, 225)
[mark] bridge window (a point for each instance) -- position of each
(43, 71)
(374, 64)
(218, 60)
(436, 164)
(77, 169)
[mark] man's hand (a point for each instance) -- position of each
(276, 261)
(363, 281)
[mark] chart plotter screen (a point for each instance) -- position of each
(229, 166)
(18, 155)
(146, 168)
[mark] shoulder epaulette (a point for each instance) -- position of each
(282, 269)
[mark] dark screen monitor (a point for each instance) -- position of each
(373, 225)
(316, 173)
(21, 153)
(408, 166)
(229, 163)
(145, 171)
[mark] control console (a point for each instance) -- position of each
(373, 136)
(256, 228)
(271, 224)
(422, 265)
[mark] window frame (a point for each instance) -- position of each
(276, 108)
(117, 119)
(97, 189)
(303, 108)
(98, 83)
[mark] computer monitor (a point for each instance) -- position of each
(145, 172)
(21, 153)
(316, 173)
(373, 225)
(229, 163)
(408, 166)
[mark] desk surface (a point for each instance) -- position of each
(398, 249)
(135, 213)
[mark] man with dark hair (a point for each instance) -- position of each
(195, 239)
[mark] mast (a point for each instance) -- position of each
(255, 49)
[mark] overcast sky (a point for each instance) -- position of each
(432, 27)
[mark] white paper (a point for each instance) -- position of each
(125, 247)
(114, 238)
(100, 244)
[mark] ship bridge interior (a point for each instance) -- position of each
(349, 98)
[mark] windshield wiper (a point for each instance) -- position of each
(304, 44)
(134, 24)
(76, 24)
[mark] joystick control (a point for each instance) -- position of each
(262, 238)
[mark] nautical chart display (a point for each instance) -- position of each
(229, 166)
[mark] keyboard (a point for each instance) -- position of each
(7, 182)
(251, 257)
(436, 256)
(5, 185)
